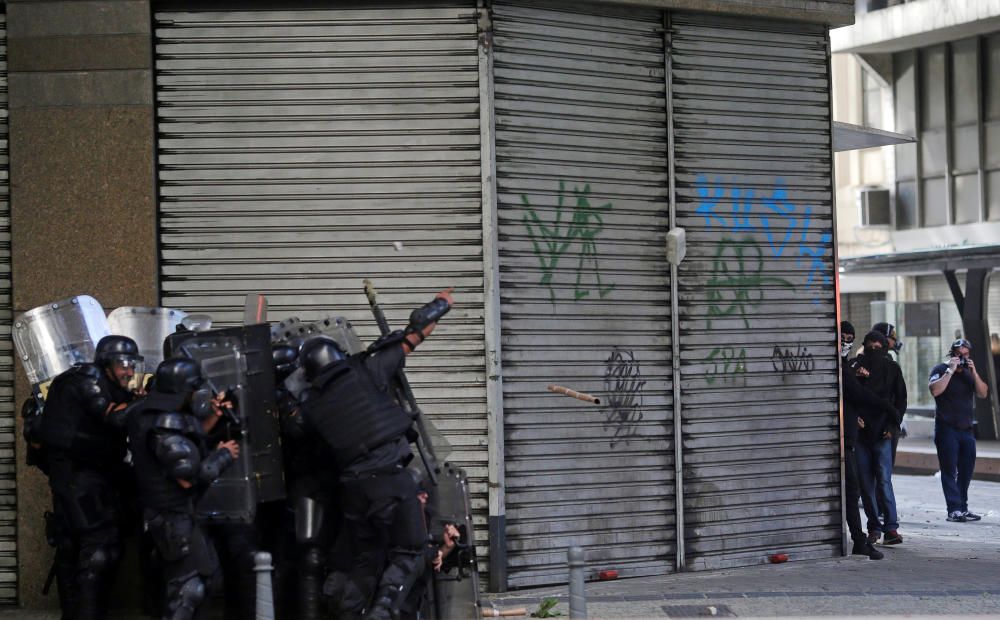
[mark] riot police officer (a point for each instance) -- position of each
(84, 459)
(173, 465)
(353, 410)
(312, 488)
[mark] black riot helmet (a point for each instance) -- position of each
(318, 353)
(178, 375)
(117, 349)
(286, 360)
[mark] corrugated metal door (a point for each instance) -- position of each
(582, 206)
(8, 436)
(758, 319)
(298, 148)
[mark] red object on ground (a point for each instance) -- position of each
(778, 558)
(607, 575)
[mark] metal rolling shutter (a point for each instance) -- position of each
(296, 146)
(753, 166)
(8, 435)
(582, 207)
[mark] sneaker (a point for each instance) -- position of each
(892, 537)
(957, 517)
(873, 537)
(971, 516)
(865, 548)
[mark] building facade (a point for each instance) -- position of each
(928, 69)
(538, 156)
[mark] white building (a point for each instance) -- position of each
(916, 212)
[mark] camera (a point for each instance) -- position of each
(963, 362)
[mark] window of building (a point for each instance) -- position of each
(871, 104)
(991, 123)
(949, 97)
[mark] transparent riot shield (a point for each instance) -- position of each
(50, 339)
(149, 327)
(255, 420)
(456, 591)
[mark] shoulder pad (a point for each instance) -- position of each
(89, 371)
(387, 341)
(173, 421)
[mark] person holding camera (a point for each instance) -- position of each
(952, 385)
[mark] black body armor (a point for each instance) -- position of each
(354, 411)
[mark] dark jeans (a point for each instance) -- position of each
(875, 476)
(956, 451)
(852, 490)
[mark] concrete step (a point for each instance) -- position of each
(917, 455)
(918, 426)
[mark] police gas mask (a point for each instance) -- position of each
(201, 402)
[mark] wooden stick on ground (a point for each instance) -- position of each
(498, 613)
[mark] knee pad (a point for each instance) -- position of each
(184, 598)
(94, 563)
(333, 587)
(313, 559)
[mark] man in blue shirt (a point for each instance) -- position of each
(952, 385)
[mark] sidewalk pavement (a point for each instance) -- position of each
(941, 569)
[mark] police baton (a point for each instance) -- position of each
(426, 451)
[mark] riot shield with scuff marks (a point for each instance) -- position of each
(456, 590)
(50, 339)
(149, 327)
(258, 475)
(336, 327)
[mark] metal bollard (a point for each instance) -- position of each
(265, 595)
(577, 596)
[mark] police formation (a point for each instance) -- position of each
(292, 439)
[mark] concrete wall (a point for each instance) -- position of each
(82, 185)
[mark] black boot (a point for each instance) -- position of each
(865, 548)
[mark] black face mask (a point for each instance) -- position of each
(874, 352)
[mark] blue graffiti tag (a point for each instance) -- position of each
(784, 224)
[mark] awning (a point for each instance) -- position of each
(848, 137)
(958, 258)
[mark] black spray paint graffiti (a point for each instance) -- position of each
(550, 241)
(623, 384)
(797, 360)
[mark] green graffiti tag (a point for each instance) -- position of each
(551, 240)
(736, 285)
(727, 362)
(737, 278)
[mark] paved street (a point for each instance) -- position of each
(941, 569)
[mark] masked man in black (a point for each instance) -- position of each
(856, 397)
(353, 410)
(84, 454)
(174, 465)
(880, 375)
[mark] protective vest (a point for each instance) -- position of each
(158, 490)
(71, 423)
(352, 413)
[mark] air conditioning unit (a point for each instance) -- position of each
(874, 205)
